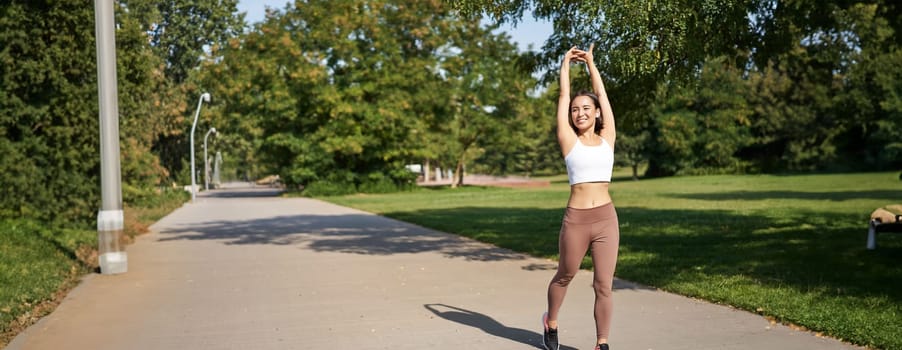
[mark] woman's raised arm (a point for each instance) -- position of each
(608, 132)
(566, 137)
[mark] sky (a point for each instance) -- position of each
(528, 31)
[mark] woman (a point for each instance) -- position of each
(585, 132)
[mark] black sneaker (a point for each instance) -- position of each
(550, 335)
(602, 347)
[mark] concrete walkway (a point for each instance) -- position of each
(244, 269)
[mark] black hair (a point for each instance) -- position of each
(599, 122)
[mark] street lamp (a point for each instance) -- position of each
(206, 166)
(111, 253)
(205, 97)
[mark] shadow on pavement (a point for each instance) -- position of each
(251, 192)
(549, 266)
(488, 325)
(351, 233)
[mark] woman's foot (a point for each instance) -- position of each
(549, 338)
(602, 347)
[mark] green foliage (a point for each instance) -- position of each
(787, 247)
(342, 183)
(632, 150)
(488, 106)
(329, 188)
(823, 83)
(639, 44)
(342, 90)
(797, 128)
(702, 130)
(177, 35)
(48, 118)
(178, 31)
(330, 93)
(379, 183)
(49, 113)
(494, 123)
(873, 98)
(140, 120)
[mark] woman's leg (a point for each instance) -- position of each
(605, 246)
(572, 244)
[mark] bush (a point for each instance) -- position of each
(329, 188)
(135, 194)
(379, 183)
(153, 198)
(340, 183)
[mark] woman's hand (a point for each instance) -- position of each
(573, 55)
(584, 56)
(589, 55)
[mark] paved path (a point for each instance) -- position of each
(243, 269)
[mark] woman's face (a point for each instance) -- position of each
(583, 112)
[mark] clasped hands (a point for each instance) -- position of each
(577, 55)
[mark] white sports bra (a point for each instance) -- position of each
(590, 163)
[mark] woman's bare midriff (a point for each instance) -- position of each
(589, 195)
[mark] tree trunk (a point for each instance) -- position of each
(458, 179)
(635, 172)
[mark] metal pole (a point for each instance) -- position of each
(206, 163)
(110, 221)
(217, 164)
(203, 97)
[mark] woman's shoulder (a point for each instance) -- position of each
(608, 140)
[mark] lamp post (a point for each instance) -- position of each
(206, 166)
(112, 257)
(205, 97)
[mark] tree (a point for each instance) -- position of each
(344, 94)
(642, 48)
(812, 67)
(527, 143)
(872, 102)
(631, 150)
(49, 114)
(487, 92)
(704, 127)
(332, 87)
(181, 33)
(819, 97)
(642, 45)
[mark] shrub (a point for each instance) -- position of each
(379, 183)
(329, 188)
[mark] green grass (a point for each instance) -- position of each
(37, 262)
(40, 263)
(791, 248)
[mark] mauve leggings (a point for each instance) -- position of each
(581, 229)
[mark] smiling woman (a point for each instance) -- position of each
(586, 135)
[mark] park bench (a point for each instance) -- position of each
(884, 221)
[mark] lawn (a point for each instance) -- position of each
(791, 248)
(40, 263)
